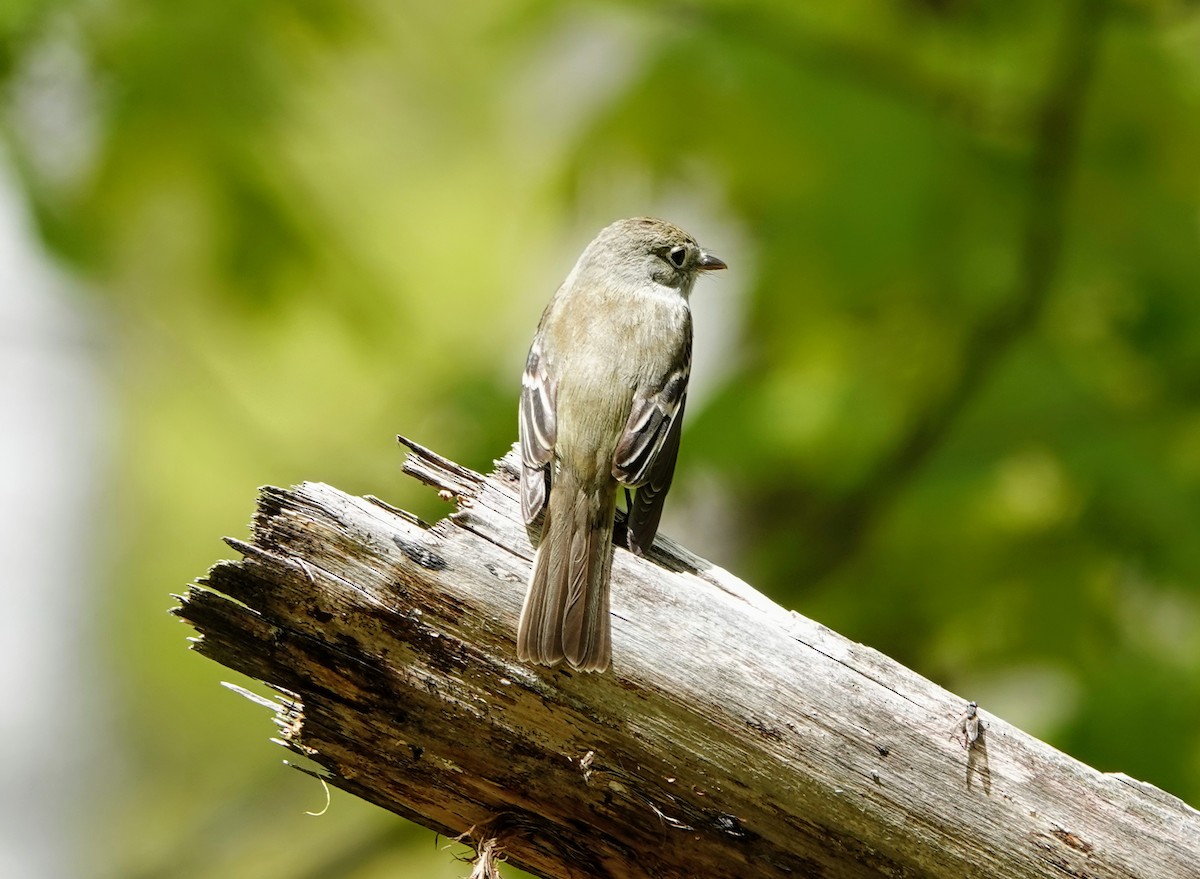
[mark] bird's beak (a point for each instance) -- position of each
(710, 263)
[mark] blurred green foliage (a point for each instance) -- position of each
(955, 414)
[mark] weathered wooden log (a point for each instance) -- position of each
(733, 738)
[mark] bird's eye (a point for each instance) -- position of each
(678, 255)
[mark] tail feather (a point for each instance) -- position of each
(566, 612)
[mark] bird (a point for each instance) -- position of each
(601, 406)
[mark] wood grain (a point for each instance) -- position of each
(733, 738)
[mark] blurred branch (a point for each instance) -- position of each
(1056, 131)
(887, 73)
(733, 738)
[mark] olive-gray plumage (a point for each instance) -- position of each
(601, 405)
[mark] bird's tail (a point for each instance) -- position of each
(566, 608)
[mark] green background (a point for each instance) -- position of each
(946, 397)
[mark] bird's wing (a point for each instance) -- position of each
(646, 452)
(538, 429)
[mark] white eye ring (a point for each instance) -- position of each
(678, 256)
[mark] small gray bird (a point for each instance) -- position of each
(601, 406)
